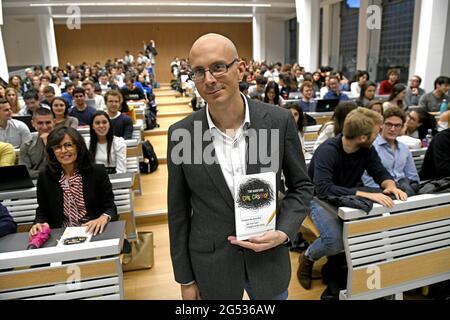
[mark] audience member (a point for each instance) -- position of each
(7, 224)
(121, 123)
(94, 100)
(376, 105)
(431, 101)
(31, 99)
(72, 191)
(68, 95)
(32, 153)
(395, 156)
(307, 103)
(49, 95)
(60, 109)
(131, 93)
(257, 91)
(104, 147)
(387, 86)
(437, 159)
(335, 92)
(367, 94)
(396, 98)
(12, 131)
(418, 123)
(414, 92)
(7, 154)
(80, 109)
(272, 94)
(13, 99)
(361, 78)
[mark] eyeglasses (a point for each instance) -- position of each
(69, 146)
(391, 125)
(216, 70)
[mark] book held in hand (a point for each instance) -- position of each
(255, 204)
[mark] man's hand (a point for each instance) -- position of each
(97, 225)
(399, 194)
(190, 292)
(377, 197)
(415, 91)
(265, 242)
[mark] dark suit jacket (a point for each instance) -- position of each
(97, 192)
(201, 213)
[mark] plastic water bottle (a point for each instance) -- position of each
(443, 106)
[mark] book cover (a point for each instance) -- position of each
(255, 204)
(74, 235)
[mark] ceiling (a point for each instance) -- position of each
(142, 10)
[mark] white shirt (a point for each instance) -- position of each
(230, 152)
(15, 133)
(118, 156)
(355, 89)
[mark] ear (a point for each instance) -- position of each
(241, 69)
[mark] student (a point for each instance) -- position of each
(336, 169)
(7, 154)
(98, 101)
(257, 91)
(395, 156)
(80, 109)
(362, 77)
(13, 99)
(121, 123)
(208, 261)
(60, 110)
(49, 95)
(336, 125)
(12, 131)
(367, 94)
(131, 93)
(431, 101)
(68, 94)
(387, 86)
(307, 103)
(335, 92)
(31, 99)
(72, 191)
(7, 224)
(272, 94)
(414, 92)
(437, 159)
(418, 123)
(300, 120)
(396, 98)
(32, 153)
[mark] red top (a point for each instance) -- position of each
(386, 87)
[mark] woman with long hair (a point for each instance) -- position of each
(336, 125)
(13, 99)
(15, 82)
(104, 147)
(2, 90)
(396, 98)
(418, 122)
(367, 94)
(300, 120)
(60, 110)
(272, 94)
(360, 79)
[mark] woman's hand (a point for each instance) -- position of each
(36, 228)
(96, 226)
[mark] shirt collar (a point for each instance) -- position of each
(382, 142)
(246, 117)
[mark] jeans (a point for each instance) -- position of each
(248, 288)
(330, 226)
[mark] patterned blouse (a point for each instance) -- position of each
(74, 207)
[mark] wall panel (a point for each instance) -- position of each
(99, 42)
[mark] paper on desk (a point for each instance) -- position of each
(72, 232)
(255, 204)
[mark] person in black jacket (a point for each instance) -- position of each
(7, 224)
(436, 164)
(71, 190)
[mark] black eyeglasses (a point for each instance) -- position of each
(217, 70)
(392, 125)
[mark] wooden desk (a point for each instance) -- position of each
(90, 271)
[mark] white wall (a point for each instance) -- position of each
(22, 41)
(275, 41)
(446, 62)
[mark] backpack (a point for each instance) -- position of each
(150, 120)
(150, 163)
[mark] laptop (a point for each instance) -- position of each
(294, 95)
(26, 120)
(327, 105)
(15, 177)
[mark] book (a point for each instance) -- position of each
(74, 235)
(255, 204)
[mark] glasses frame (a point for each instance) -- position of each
(392, 125)
(69, 146)
(227, 66)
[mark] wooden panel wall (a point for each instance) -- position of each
(99, 42)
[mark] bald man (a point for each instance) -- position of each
(233, 136)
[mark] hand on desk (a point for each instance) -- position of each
(265, 242)
(96, 226)
(190, 292)
(36, 228)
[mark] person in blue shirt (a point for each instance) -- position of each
(68, 95)
(334, 92)
(7, 224)
(395, 156)
(80, 109)
(336, 170)
(307, 103)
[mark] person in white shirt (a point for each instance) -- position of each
(12, 131)
(98, 100)
(128, 59)
(104, 147)
(361, 79)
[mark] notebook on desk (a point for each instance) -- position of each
(326, 105)
(15, 177)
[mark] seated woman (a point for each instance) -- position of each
(13, 99)
(376, 105)
(336, 125)
(396, 98)
(104, 146)
(360, 79)
(272, 94)
(72, 191)
(300, 119)
(418, 123)
(367, 94)
(60, 109)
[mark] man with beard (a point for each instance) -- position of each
(336, 169)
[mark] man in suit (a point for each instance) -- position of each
(208, 261)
